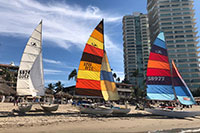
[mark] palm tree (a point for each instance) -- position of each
(126, 81)
(51, 86)
(50, 89)
(135, 74)
(114, 75)
(118, 79)
(72, 75)
(59, 86)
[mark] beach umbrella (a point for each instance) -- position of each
(6, 90)
(63, 94)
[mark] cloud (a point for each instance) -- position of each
(65, 82)
(52, 61)
(52, 71)
(66, 25)
(58, 63)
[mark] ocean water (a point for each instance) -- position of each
(179, 130)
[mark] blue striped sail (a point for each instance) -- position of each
(181, 89)
(108, 87)
(159, 83)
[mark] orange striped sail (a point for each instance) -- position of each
(88, 78)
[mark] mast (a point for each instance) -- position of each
(108, 86)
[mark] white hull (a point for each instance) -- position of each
(120, 110)
(172, 113)
(50, 108)
(24, 107)
(95, 111)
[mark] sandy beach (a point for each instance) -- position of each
(67, 119)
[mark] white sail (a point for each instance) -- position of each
(30, 80)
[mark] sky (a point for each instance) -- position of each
(67, 25)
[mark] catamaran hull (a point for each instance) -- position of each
(120, 110)
(95, 111)
(50, 108)
(171, 113)
(24, 107)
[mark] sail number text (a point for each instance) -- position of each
(156, 78)
(88, 66)
(24, 74)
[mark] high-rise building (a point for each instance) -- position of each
(136, 47)
(176, 19)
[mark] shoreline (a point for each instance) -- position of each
(67, 119)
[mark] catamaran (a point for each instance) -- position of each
(94, 77)
(30, 80)
(164, 86)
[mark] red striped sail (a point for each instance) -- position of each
(88, 78)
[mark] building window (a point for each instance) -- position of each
(164, 15)
(175, 0)
(190, 45)
(183, 65)
(186, 9)
(176, 9)
(188, 26)
(191, 50)
(178, 31)
(177, 18)
(177, 13)
(170, 41)
(164, 6)
(179, 22)
(185, 4)
(169, 23)
(188, 31)
(193, 65)
(171, 51)
(182, 60)
(165, 19)
(168, 32)
(175, 5)
(165, 10)
(179, 36)
(180, 46)
(166, 1)
(192, 55)
(184, 13)
(188, 17)
(180, 41)
(188, 22)
(171, 46)
(189, 35)
(186, 75)
(169, 37)
(164, 28)
(178, 27)
(193, 60)
(195, 75)
(181, 50)
(190, 40)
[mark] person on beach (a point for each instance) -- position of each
(16, 101)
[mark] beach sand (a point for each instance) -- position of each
(68, 120)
